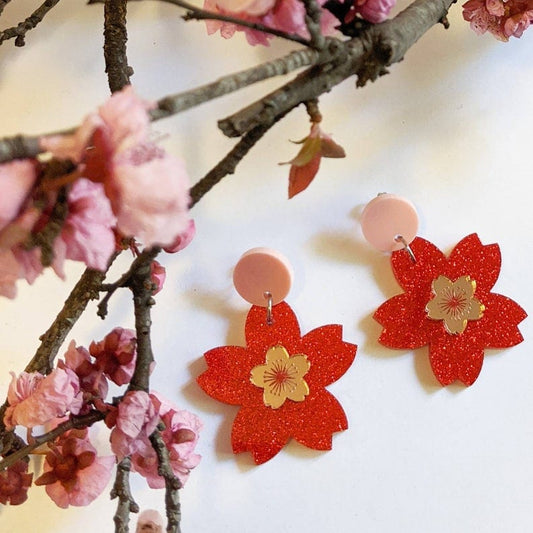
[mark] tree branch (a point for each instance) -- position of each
(313, 14)
(378, 46)
(74, 422)
(172, 483)
(3, 3)
(115, 38)
(121, 490)
(19, 32)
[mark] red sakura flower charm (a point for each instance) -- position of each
(278, 380)
(447, 304)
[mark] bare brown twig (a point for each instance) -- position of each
(19, 32)
(121, 490)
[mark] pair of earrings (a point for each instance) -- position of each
(279, 378)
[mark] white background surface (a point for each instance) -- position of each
(450, 129)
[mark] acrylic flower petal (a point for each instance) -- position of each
(481, 262)
(260, 336)
(451, 362)
(322, 417)
(430, 262)
(502, 316)
(227, 378)
(404, 322)
(263, 433)
(329, 355)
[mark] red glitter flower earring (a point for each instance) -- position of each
(279, 378)
(447, 302)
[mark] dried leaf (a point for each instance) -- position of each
(301, 176)
(330, 148)
(309, 150)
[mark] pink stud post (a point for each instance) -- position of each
(261, 271)
(389, 222)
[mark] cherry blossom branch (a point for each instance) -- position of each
(172, 483)
(74, 422)
(196, 13)
(377, 47)
(173, 104)
(115, 38)
(19, 32)
(121, 490)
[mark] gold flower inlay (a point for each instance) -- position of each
(282, 377)
(454, 303)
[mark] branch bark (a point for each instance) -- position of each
(121, 490)
(366, 57)
(115, 38)
(19, 32)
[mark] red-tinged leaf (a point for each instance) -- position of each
(301, 177)
(329, 148)
(310, 148)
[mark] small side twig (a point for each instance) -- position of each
(172, 483)
(75, 422)
(19, 32)
(313, 14)
(121, 490)
(3, 3)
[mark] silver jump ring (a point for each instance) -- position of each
(268, 296)
(399, 238)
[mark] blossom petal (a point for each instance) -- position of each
(456, 357)
(481, 262)
(259, 431)
(404, 321)
(411, 275)
(227, 378)
(300, 177)
(260, 336)
(329, 355)
(321, 416)
(502, 316)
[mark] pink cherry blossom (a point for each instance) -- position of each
(17, 179)
(87, 234)
(150, 521)
(183, 239)
(180, 436)
(35, 399)
(73, 473)
(373, 10)
(284, 15)
(157, 275)
(136, 419)
(116, 354)
(14, 483)
(92, 381)
(504, 19)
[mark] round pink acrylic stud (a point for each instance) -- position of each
(261, 271)
(389, 222)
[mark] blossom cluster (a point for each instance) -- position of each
(105, 181)
(74, 473)
(502, 18)
(287, 16)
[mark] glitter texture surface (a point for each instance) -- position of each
(257, 428)
(406, 323)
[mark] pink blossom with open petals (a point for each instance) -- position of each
(180, 436)
(17, 179)
(116, 355)
(87, 234)
(284, 15)
(73, 473)
(93, 383)
(14, 483)
(136, 419)
(504, 19)
(373, 10)
(35, 399)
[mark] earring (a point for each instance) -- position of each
(447, 302)
(279, 377)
